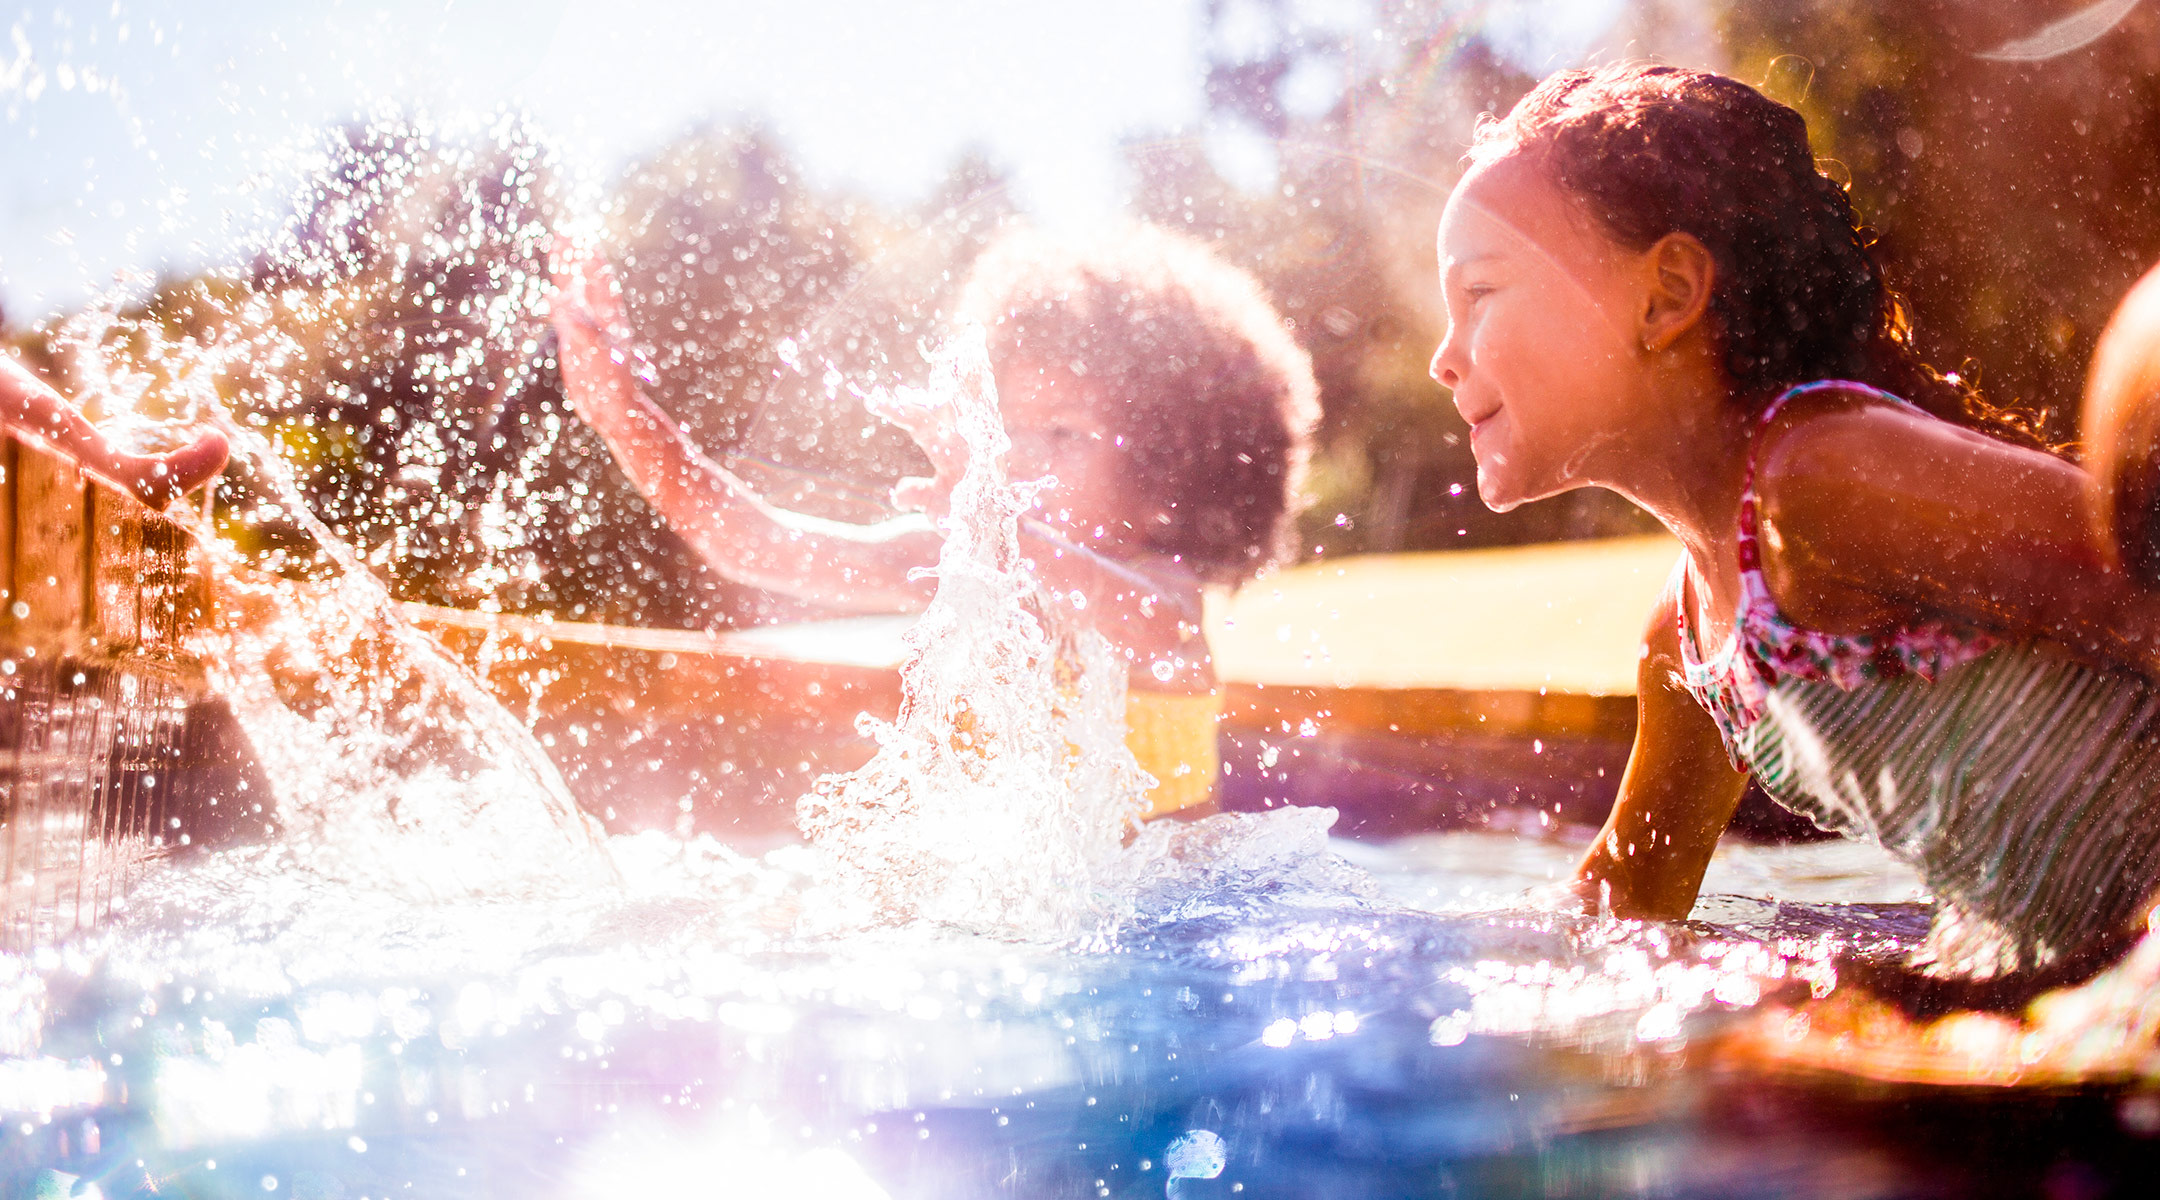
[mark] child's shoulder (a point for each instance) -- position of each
(1845, 438)
(1851, 484)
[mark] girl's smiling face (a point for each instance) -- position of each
(1544, 350)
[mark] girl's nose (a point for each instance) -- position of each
(1441, 373)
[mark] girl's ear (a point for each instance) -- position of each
(1681, 276)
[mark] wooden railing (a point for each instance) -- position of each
(98, 595)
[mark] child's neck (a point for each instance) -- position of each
(1690, 469)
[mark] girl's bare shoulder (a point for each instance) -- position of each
(1837, 455)
(1873, 515)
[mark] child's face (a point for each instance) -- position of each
(1541, 352)
(1057, 428)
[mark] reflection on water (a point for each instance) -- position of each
(247, 1029)
(1481, 869)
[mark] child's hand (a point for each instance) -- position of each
(158, 479)
(29, 405)
(929, 420)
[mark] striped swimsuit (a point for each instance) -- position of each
(2022, 786)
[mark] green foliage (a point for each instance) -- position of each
(2016, 201)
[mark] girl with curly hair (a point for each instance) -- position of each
(1152, 380)
(1890, 610)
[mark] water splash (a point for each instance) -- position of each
(998, 798)
(392, 766)
(391, 762)
(1196, 1154)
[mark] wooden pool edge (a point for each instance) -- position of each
(629, 713)
(99, 596)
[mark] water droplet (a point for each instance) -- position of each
(1196, 1154)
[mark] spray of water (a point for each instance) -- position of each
(998, 798)
(392, 322)
(392, 765)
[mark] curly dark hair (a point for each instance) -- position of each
(1214, 399)
(1651, 150)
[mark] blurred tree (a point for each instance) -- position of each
(1362, 119)
(2016, 200)
(395, 349)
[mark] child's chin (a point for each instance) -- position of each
(1498, 495)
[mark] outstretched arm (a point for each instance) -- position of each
(858, 567)
(28, 406)
(1675, 800)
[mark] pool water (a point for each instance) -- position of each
(1366, 1020)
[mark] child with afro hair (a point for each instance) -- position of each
(1154, 381)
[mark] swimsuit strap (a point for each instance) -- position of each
(1750, 556)
(1733, 683)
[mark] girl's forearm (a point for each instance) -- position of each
(29, 405)
(733, 529)
(36, 410)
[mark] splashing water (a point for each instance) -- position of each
(998, 798)
(392, 766)
(1003, 798)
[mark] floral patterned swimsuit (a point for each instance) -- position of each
(2023, 786)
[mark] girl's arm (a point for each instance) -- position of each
(857, 567)
(1675, 800)
(1874, 515)
(31, 407)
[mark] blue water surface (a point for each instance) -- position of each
(239, 1032)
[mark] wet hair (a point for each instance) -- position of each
(1195, 370)
(1651, 150)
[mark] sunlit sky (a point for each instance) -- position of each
(141, 134)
